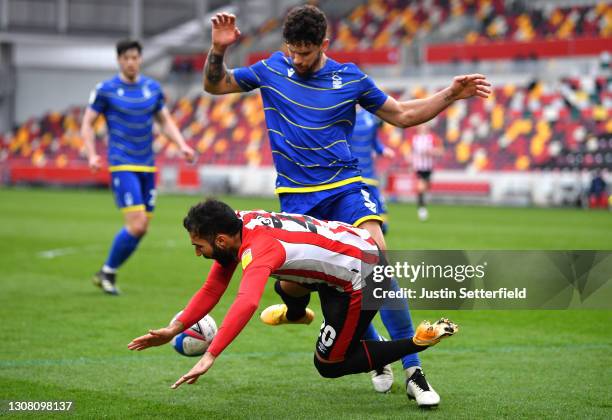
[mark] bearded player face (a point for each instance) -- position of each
(203, 248)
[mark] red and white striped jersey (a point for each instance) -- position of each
(423, 146)
(307, 250)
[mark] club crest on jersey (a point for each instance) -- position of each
(336, 81)
(120, 92)
(290, 72)
(146, 92)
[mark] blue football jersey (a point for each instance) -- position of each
(310, 120)
(129, 110)
(364, 142)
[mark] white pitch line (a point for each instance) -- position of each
(54, 253)
(50, 254)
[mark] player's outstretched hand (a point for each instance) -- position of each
(388, 152)
(224, 31)
(188, 153)
(152, 339)
(470, 85)
(198, 370)
(95, 163)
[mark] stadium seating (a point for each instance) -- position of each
(520, 128)
(381, 27)
(378, 24)
(497, 21)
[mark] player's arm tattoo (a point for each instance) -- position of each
(215, 68)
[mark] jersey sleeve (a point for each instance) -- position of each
(205, 299)
(259, 261)
(371, 97)
(97, 101)
(249, 78)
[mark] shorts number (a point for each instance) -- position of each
(153, 194)
(327, 335)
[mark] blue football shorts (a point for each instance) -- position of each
(377, 197)
(134, 191)
(352, 204)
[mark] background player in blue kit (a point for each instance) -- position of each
(365, 143)
(130, 103)
(309, 103)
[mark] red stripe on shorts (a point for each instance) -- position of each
(348, 329)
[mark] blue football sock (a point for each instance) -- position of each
(371, 334)
(399, 324)
(123, 246)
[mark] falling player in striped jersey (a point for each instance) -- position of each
(130, 102)
(309, 103)
(334, 258)
(425, 147)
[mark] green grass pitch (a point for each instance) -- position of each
(62, 339)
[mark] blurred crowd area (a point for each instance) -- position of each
(562, 122)
(534, 126)
(378, 24)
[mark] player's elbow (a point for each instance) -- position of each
(408, 118)
(212, 88)
(207, 87)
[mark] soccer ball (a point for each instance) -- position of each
(195, 340)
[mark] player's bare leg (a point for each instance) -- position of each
(422, 188)
(136, 222)
(375, 230)
(136, 225)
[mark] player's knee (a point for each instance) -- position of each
(142, 229)
(327, 370)
(278, 288)
(139, 226)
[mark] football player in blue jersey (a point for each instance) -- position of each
(130, 102)
(309, 103)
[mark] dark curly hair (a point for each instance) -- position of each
(127, 44)
(305, 25)
(211, 217)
